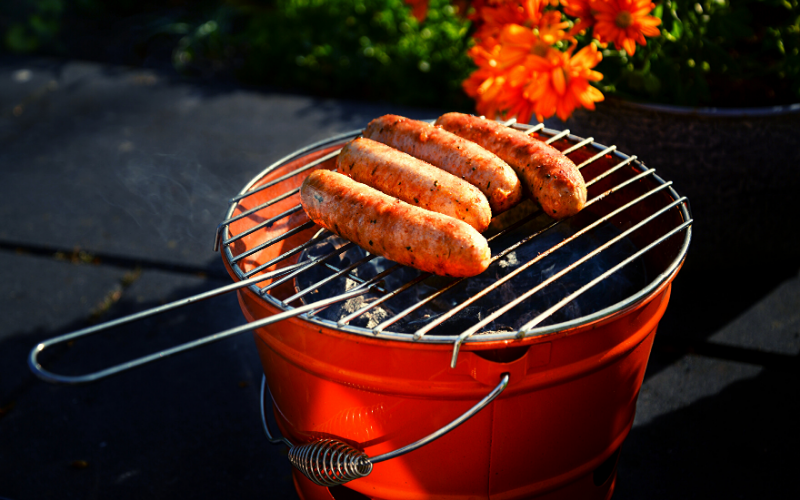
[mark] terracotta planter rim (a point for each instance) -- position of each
(710, 111)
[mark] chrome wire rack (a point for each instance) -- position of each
(634, 173)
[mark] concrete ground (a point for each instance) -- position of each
(112, 182)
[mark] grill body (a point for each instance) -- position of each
(554, 433)
(568, 407)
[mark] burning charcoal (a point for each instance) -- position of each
(500, 329)
(463, 320)
(504, 279)
(369, 319)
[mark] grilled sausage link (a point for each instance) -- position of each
(386, 226)
(449, 152)
(548, 175)
(414, 181)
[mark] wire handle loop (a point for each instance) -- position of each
(331, 462)
(48, 376)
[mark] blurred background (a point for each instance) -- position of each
(374, 50)
(413, 52)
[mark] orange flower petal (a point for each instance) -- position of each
(641, 24)
(649, 21)
(558, 80)
(517, 35)
(537, 63)
(629, 44)
(518, 75)
(650, 31)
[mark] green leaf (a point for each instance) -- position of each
(677, 29)
(652, 85)
(18, 40)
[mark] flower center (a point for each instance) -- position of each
(540, 49)
(623, 19)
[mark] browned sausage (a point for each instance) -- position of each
(386, 226)
(449, 152)
(414, 181)
(551, 178)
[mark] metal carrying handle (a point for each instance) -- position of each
(330, 462)
(48, 376)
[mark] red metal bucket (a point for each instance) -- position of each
(556, 430)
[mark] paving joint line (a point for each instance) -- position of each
(77, 255)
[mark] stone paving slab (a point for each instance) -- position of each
(185, 426)
(50, 294)
(127, 163)
(121, 169)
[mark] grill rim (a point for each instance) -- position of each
(608, 313)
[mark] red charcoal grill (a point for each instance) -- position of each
(463, 390)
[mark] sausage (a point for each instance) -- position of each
(449, 152)
(547, 175)
(414, 181)
(384, 225)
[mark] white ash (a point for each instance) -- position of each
(509, 260)
(373, 317)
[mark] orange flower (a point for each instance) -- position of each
(516, 44)
(474, 14)
(551, 28)
(513, 104)
(624, 22)
(419, 9)
(559, 82)
(580, 9)
(577, 8)
(492, 18)
(520, 71)
(483, 56)
(484, 85)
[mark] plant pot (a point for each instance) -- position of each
(740, 169)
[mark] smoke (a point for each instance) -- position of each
(173, 195)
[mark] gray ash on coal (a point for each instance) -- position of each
(613, 289)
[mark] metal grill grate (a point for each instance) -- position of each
(601, 163)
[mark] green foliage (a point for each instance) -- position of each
(711, 52)
(351, 48)
(733, 53)
(31, 24)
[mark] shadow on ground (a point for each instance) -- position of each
(741, 442)
(186, 426)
